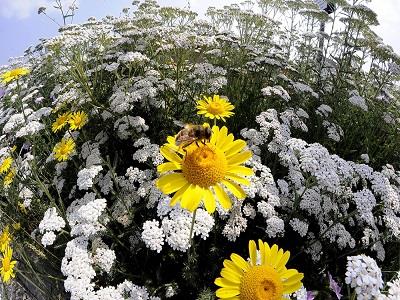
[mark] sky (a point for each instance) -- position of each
(21, 26)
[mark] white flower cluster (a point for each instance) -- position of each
(127, 125)
(299, 226)
(84, 214)
(320, 185)
(394, 289)
(357, 100)
(276, 90)
(175, 227)
(236, 224)
(363, 274)
(77, 266)
(104, 259)
(153, 236)
(86, 176)
(335, 132)
(50, 224)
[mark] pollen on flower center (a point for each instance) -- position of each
(215, 108)
(204, 166)
(261, 282)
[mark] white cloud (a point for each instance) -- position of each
(22, 9)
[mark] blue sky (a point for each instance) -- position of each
(21, 26)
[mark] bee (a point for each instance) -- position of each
(192, 133)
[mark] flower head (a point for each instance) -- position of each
(61, 121)
(264, 276)
(216, 107)
(63, 150)
(77, 120)
(8, 179)
(7, 265)
(5, 238)
(13, 74)
(6, 164)
(363, 274)
(203, 170)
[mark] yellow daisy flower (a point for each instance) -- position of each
(7, 265)
(61, 121)
(64, 149)
(5, 239)
(6, 164)
(264, 276)
(217, 107)
(77, 120)
(13, 74)
(202, 171)
(8, 179)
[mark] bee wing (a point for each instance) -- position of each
(184, 140)
(179, 123)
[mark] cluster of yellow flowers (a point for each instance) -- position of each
(7, 264)
(198, 174)
(63, 150)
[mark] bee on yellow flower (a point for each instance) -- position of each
(5, 238)
(6, 164)
(63, 150)
(13, 74)
(77, 120)
(61, 121)
(7, 265)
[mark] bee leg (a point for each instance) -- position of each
(203, 142)
(197, 144)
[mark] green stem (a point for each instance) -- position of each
(191, 230)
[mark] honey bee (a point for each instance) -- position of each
(192, 133)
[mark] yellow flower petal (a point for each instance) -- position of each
(227, 292)
(189, 196)
(178, 195)
(168, 166)
(209, 201)
(235, 189)
(223, 198)
(253, 252)
(239, 158)
(237, 179)
(170, 155)
(234, 268)
(223, 282)
(292, 288)
(235, 147)
(283, 261)
(231, 276)
(262, 251)
(170, 183)
(240, 170)
(239, 261)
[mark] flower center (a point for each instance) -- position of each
(215, 108)
(204, 166)
(261, 283)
